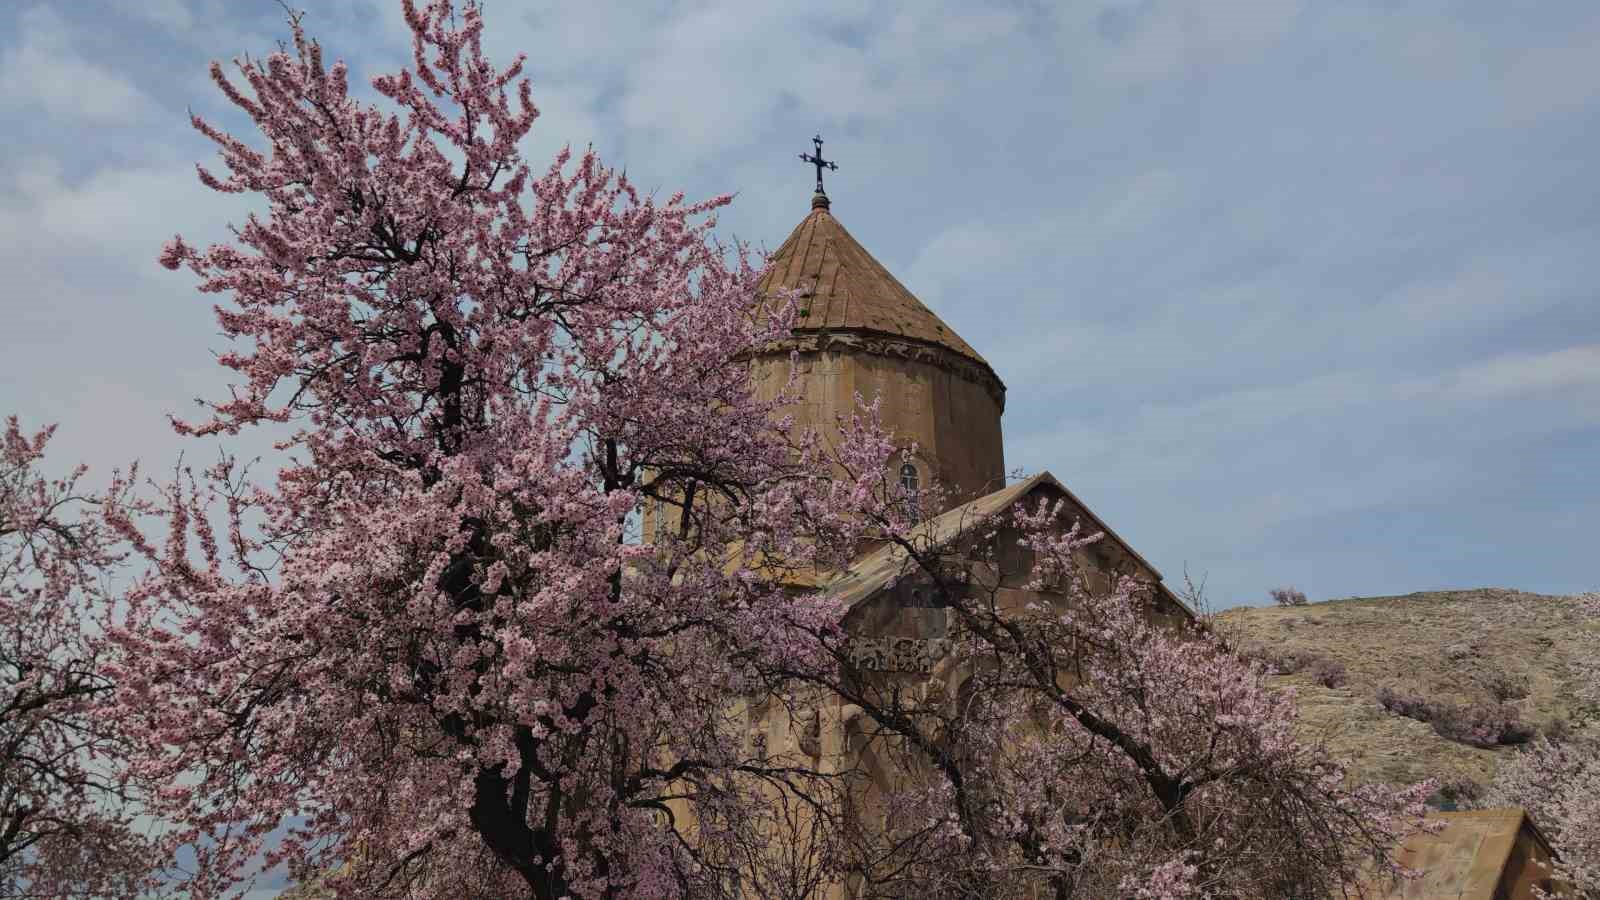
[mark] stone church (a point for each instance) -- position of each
(860, 331)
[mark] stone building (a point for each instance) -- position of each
(860, 331)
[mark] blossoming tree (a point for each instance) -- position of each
(64, 826)
(430, 658)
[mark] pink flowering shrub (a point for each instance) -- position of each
(1478, 724)
(1557, 784)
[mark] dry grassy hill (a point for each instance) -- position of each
(1455, 647)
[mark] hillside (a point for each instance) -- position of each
(1448, 646)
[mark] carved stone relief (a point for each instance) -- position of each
(897, 654)
(897, 347)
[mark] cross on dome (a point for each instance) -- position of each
(817, 160)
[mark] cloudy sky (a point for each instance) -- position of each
(1289, 292)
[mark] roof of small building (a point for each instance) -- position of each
(876, 569)
(844, 289)
(1465, 860)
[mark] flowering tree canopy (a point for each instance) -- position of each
(429, 655)
(430, 659)
(64, 829)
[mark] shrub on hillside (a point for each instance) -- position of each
(1328, 672)
(1483, 724)
(1294, 661)
(1559, 731)
(1405, 703)
(1288, 596)
(1456, 790)
(1503, 686)
(1255, 653)
(1480, 724)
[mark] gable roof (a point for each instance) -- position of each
(877, 569)
(844, 289)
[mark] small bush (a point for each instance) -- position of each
(1404, 703)
(1559, 731)
(1324, 670)
(1328, 672)
(1292, 662)
(1287, 596)
(1456, 791)
(1255, 653)
(1295, 661)
(1482, 724)
(1503, 686)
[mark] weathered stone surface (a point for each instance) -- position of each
(843, 288)
(897, 654)
(861, 332)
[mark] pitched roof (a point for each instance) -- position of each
(1469, 858)
(876, 569)
(844, 289)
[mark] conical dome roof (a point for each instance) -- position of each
(844, 289)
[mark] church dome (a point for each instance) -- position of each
(844, 289)
(859, 330)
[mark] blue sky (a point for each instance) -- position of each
(1289, 292)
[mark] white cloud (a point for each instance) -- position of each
(98, 336)
(1517, 375)
(45, 73)
(171, 14)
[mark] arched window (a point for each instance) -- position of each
(908, 478)
(908, 483)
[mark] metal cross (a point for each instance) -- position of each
(819, 162)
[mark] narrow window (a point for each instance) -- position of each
(908, 478)
(666, 524)
(908, 483)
